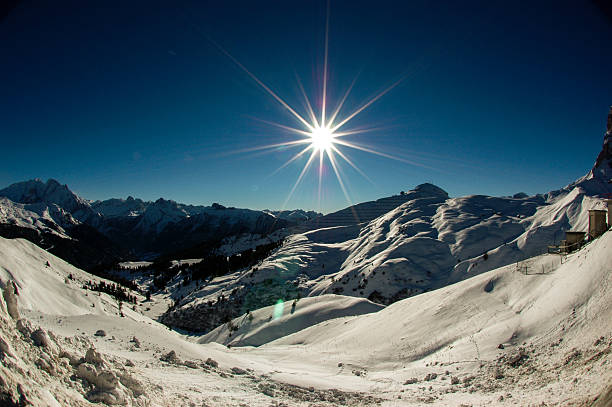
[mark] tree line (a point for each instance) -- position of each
(213, 265)
(115, 290)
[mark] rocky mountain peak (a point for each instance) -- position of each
(603, 164)
(51, 192)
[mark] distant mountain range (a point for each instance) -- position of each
(90, 233)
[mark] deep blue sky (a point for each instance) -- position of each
(118, 98)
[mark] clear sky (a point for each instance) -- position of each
(118, 98)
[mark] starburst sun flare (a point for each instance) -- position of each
(320, 134)
(322, 139)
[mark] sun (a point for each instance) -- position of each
(320, 135)
(322, 139)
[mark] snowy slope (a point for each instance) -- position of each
(269, 323)
(551, 321)
(501, 306)
(49, 355)
(245, 241)
(47, 289)
(71, 366)
(440, 347)
(366, 211)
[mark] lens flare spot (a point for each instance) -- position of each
(278, 309)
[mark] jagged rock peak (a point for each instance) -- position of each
(166, 202)
(604, 159)
(431, 189)
(55, 183)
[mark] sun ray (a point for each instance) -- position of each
(282, 126)
(308, 105)
(320, 178)
(263, 85)
(333, 164)
(392, 157)
(314, 153)
(358, 131)
(366, 105)
(266, 147)
(292, 159)
(352, 164)
(323, 102)
(333, 116)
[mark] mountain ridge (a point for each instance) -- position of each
(45, 211)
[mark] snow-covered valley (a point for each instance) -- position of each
(503, 337)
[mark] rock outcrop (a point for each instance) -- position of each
(604, 159)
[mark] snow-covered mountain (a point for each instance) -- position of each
(401, 246)
(51, 193)
(37, 211)
(33, 208)
(366, 211)
(115, 207)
